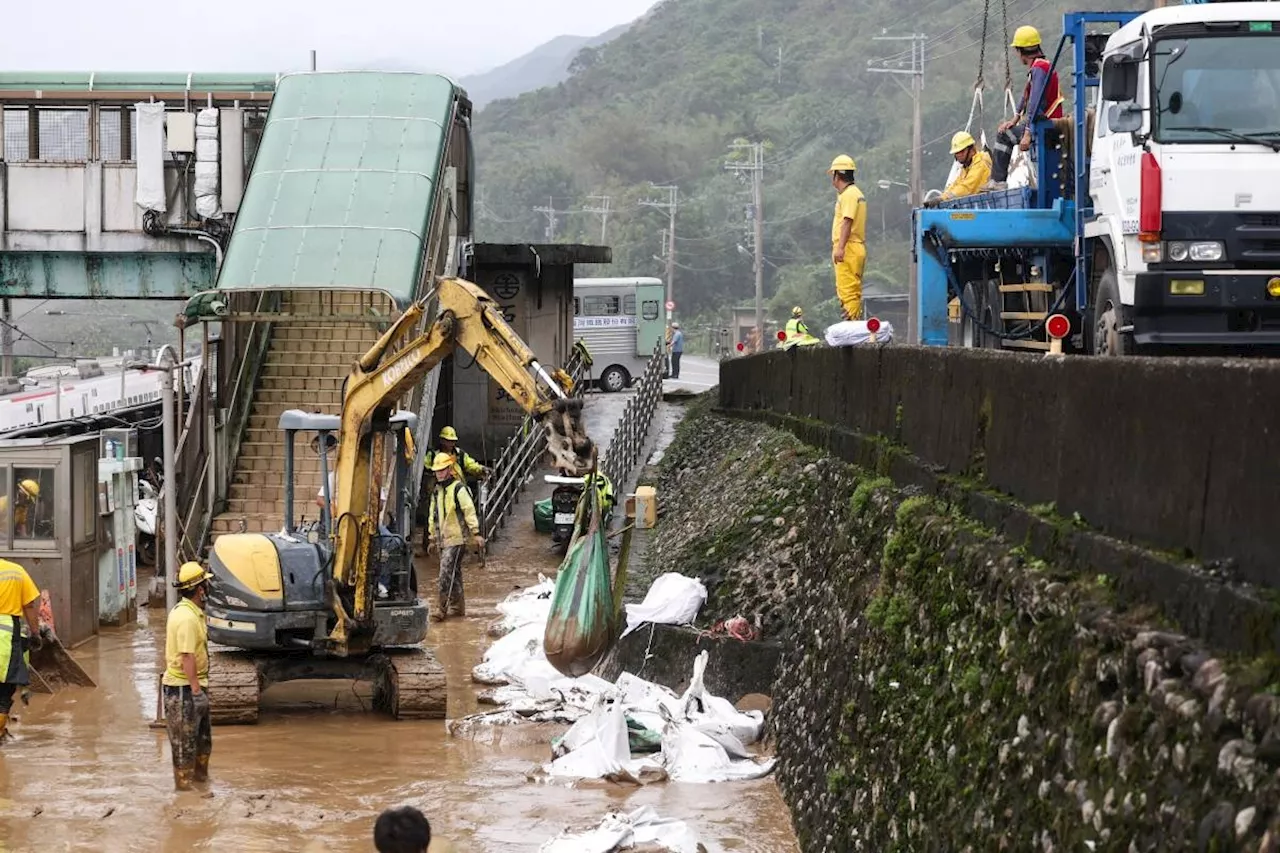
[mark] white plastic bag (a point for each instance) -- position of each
(672, 599)
(853, 332)
(1022, 171)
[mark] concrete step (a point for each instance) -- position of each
(258, 506)
(275, 493)
(309, 479)
(340, 333)
(301, 383)
(298, 398)
(304, 369)
(253, 523)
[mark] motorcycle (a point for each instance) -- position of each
(146, 513)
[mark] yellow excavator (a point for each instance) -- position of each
(338, 599)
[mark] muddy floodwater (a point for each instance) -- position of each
(87, 773)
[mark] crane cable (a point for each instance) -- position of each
(1008, 69)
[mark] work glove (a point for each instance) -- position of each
(35, 642)
(46, 634)
(201, 701)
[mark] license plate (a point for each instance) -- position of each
(564, 518)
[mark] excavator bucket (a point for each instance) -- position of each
(570, 447)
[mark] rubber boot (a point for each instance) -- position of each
(183, 777)
(460, 606)
(442, 610)
(201, 773)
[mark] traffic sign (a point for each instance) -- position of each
(671, 306)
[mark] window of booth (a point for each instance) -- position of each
(34, 503)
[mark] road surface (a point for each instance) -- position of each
(697, 374)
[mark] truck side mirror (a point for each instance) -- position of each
(1119, 79)
(1124, 118)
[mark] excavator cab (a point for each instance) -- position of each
(390, 553)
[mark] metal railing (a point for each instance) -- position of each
(633, 429)
(226, 384)
(522, 453)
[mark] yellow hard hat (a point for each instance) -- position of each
(442, 462)
(843, 163)
(961, 141)
(31, 487)
(797, 311)
(449, 434)
(1026, 36)
(190, 575)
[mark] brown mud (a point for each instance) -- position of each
(87, 773)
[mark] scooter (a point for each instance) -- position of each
(146, 514)
(564, 509)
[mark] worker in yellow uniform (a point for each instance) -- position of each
(28, 494)
(848, 236)
(975, 168)
(604, 489)
(451, 507)
(465, 467)
(796, 333)
(186, 679)
(19, 599)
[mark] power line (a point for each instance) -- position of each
(755, 168)
(670, 206)
(602, 210)
(552, 217)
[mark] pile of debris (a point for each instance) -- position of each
(632, 730)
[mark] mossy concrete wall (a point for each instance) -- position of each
(1179, 454)
(942, 688)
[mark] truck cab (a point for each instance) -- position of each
(1185, 179)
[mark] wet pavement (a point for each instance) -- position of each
(87, 773)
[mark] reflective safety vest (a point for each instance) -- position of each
(1050, 105)
(796, 328)
(605, 490)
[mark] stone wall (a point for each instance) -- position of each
(1179, 454)
(942, 688)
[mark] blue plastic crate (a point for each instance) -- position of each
(1016, 199)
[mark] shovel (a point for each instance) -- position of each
(52, 667)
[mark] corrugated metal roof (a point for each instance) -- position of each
(134, 81)
(344, 184)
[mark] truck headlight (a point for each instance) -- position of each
(1177, 251)
(1209, 250)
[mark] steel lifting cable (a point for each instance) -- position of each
(1008, 69)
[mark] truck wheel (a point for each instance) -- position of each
(1108, 317)
(991, 316)
(614, 379)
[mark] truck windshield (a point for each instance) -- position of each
(1217, 88)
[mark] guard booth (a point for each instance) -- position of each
(49, 524)
(744, 326)
(534, 286)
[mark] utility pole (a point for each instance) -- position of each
(670, 205)
(916, 70)
(6, 336)
(551, 213)
(754, 166)
(602, 210)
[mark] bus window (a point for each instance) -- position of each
(577, 307)
(650, 309)
(601, 306)
(629, 305)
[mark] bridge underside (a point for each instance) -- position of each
(121, 275)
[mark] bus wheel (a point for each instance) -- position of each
(614, 378)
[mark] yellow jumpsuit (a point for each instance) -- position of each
(851, 205)
(971, 178)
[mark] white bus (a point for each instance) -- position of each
(621, 320)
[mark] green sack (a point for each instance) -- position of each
(543, 516)
(583, 620)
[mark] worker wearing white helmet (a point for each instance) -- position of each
(848, 236)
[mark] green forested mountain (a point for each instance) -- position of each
(662, 102)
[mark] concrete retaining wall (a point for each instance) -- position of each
(1178, 454)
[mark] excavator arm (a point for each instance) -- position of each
(467, 319)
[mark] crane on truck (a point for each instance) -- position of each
(1153, 220)
(301, 604)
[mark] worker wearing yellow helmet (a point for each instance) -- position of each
(975, 168)
(186, 679)
(465, 466)
(28, 492)
(795, 330)
(1041, 98)
(19, 599)
(450, 509)
(848, 236)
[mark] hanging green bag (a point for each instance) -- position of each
(583, 621)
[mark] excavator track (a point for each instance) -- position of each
(409, 684)
(235, 684)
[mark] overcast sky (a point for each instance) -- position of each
(448, 36)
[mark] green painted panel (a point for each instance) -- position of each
(133, 81)
(344, 184)
(73, 275)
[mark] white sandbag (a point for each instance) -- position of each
(207, 117)
(525, 606)
(853, 332)
(1022, 171)
(207, 151)
(623, 831)
(596, 746)
(716, 716)
(149, 157)
(691, 756)
(672, 599)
